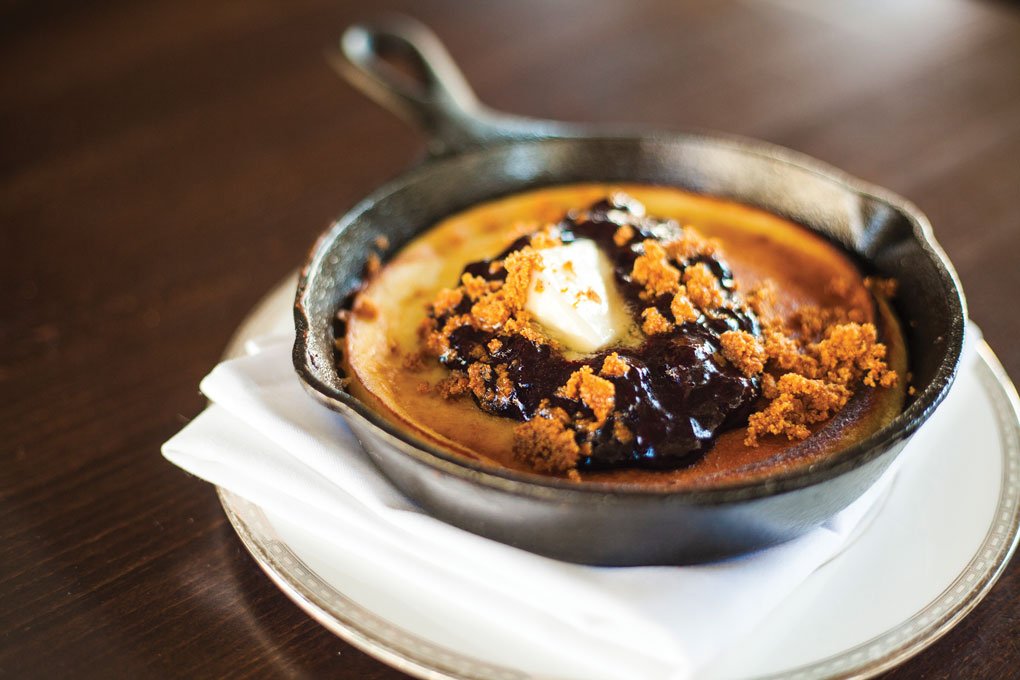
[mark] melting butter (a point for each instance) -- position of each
(575, 299)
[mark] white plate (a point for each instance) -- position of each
(932, 550)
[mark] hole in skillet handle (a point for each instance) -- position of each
(398, 65)
(401, 65)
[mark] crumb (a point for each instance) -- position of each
(520, 324)
(447, 300)
(613, 366)
(653, 322)
(545, 239)
(437, 341)
(475, 286)
(494, 345)
(504, 386)
(654, 272)
(547, 445)
(838, 287)
(762, 301)
(690, 244)
(423, 387)
(884, 288)
(817, 374)
(743, 351)
(702, 287)
(622, 433)
(381, 242)
(453, 385)
(413, 361)
(682, 307)
(478, 375)
(539, 286)
(589, 295)
(785, 353)
(596, 393)
(372, 265)
(851, 351)
(520, 267)
(496, 303)
(365, 309)
(623, 235)
(490, 312)
(797, 403)
(812, 323)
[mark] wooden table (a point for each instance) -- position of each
(163, 163)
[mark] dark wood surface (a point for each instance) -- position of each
(163, 163)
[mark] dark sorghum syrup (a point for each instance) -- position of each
(677, 395)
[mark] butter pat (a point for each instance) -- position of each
(572, 296)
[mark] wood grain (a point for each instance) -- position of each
(163, 163)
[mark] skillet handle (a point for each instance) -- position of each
(437, 98)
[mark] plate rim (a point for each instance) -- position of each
(420, 658)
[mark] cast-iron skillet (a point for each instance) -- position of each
(475, 155)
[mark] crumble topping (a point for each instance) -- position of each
(447, 300)
(794, 371)
(794, 403)
(654, 272)
(623, 235)
(546, 238)
(690, 244)
(596, 393)
(614, 366)
(454, 385)
(622, 433)
(475, 287)
(702, 287)
(657, 270)
(744, 351)
(413, 361)
(654, 323)
(548, 444)
(682, 307)
(813, 363)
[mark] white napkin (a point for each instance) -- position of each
(266, 440)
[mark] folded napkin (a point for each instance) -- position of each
(266, 440)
